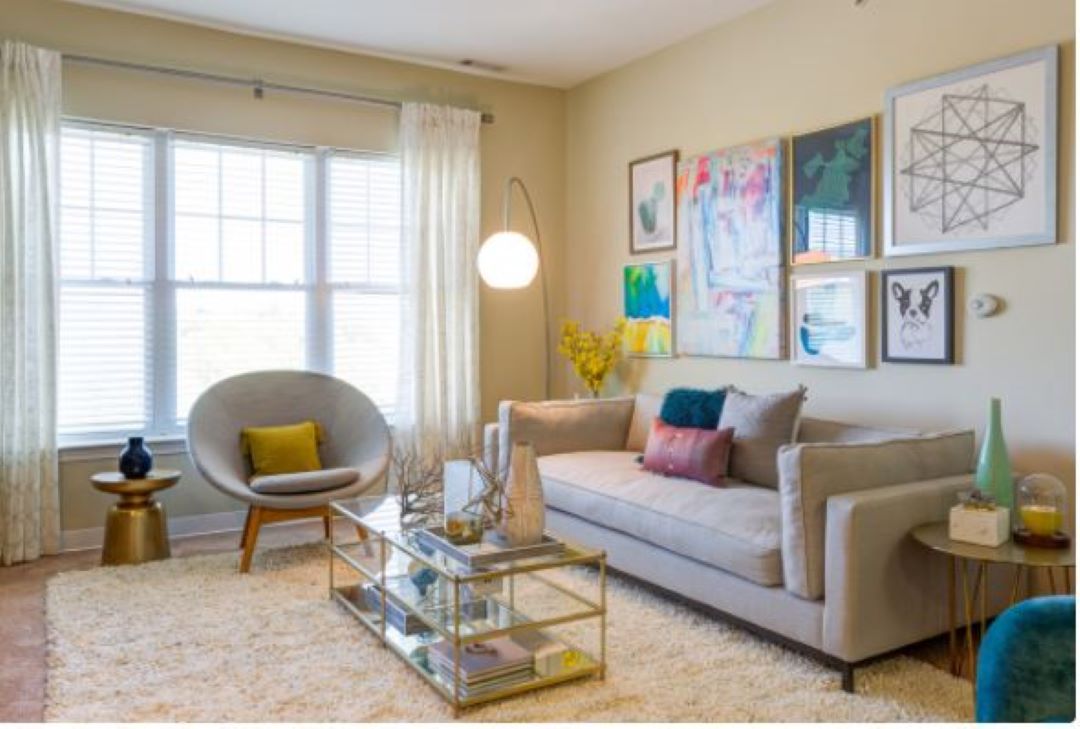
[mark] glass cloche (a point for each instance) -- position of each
(1041, 506)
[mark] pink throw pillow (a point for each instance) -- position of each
(697, 453)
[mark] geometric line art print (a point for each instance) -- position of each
(969, 159)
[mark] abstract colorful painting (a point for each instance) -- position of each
(647, 308)
(829, 319)
(832, 193)
(731, 253)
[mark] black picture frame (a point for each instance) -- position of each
(918, 302)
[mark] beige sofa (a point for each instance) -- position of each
(823, 563)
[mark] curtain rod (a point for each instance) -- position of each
(257, 85)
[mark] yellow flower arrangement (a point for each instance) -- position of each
(593, 355)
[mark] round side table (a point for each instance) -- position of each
(1024, 559)
(135, 528)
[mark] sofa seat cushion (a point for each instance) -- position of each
(735, 528)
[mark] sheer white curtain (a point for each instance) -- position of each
(439, 402)
(29, 145)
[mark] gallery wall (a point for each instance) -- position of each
(800, 65)
(527, 140)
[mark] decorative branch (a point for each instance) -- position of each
(416, 469)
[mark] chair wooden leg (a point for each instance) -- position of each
(327, 525)
(244, 531)
(251, 535)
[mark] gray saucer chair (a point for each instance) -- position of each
(356, 437)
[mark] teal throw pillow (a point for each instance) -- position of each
(685, 407)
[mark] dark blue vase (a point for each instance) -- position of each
(136, 460)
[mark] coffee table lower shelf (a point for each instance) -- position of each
(412, 649)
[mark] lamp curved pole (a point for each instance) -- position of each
(507, 195)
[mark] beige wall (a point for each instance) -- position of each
(802, 64)
(527, 140)
(792, 66)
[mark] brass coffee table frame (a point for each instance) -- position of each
(962, 555)
(395, 539)
(136, 529)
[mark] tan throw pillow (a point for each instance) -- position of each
(762, 424)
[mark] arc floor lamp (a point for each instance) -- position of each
(510, 260)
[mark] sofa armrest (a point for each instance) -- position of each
(812, 472)
(564, 426)
(490, 445)
(884, 590)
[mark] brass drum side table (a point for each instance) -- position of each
(135, 527)
(1024, 559)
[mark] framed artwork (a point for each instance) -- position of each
(971, 157)
(731, 273)
(647, 308)
(652, 203)
(832, 193)
(828, 315)
(917, 315)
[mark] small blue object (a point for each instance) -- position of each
(685, 407)
(136, 460)
(1027, 663)
(422, 577)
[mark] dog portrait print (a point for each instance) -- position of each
(917, 311)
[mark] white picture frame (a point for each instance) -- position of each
(970, 158)
(829, 319)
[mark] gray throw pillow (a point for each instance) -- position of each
(762, 424)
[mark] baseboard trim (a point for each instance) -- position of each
(77, 540)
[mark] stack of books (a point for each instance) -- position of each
(486, 666)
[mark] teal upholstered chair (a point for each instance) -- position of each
(1027, 663)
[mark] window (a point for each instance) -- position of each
(106, 270)
(185, 260)
(365, 273)
(833, 232)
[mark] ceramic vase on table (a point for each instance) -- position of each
(993, 474)
(136, 460)
(522, 520)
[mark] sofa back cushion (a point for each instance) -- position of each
(812, 472)
(816, 430)
(762, 424)
(564, 426)
(646, 409)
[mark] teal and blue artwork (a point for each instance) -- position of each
(832, 193)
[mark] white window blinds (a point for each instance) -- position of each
(228, 272)
(364, 241)
(106, 268)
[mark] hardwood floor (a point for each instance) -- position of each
(22, 612)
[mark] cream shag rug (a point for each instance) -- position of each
(191, 640)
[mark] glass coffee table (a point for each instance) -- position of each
(474, 634)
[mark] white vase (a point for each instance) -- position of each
(522, 521)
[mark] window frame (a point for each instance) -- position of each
(164, 424)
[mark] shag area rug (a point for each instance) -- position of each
(192, 640)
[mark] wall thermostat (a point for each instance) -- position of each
(984, 305)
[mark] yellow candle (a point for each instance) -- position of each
(1041, 520)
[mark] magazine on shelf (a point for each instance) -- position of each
(480, 662)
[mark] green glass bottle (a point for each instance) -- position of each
(993, 475)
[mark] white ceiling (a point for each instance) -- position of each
(552, 42)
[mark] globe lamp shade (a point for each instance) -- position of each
(508, 260)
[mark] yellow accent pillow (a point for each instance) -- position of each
(282, 448)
